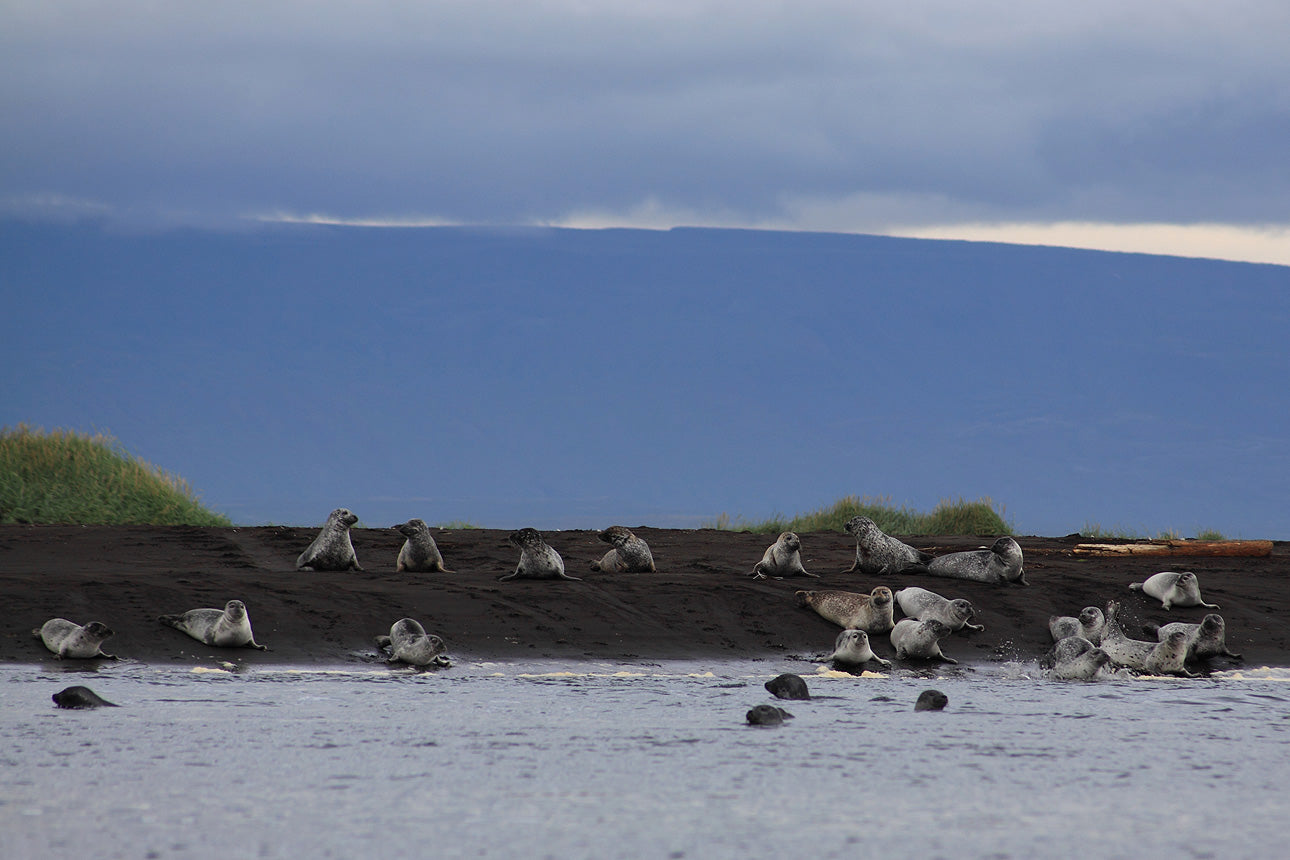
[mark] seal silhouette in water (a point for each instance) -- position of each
(419, 553)
(68, 639)
(767, 715)
(81, 697)
(1173, 589)
(782, 558)
(332, 549)
(931, 700)
(537, 559)
(870, 612)
(229, 627)
(408, 642)
(630, 554)
(788, 686)
(879, 553)
(921, 604)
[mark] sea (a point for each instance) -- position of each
(641, 760)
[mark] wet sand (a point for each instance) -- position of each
(701, 604)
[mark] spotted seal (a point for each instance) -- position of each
(1204, 640)
(1002, 562)
(229, 627)
(931, 700)
(1157, 658)
(788, 686)
(332, 549)
(921, 604)
(782, 558)
(419, 553)
(81, 697)
(1088, 625)
(629, 555)
(767, 715)
(870, 612)
(878, 552)
(852, 648)
(1074, 658)
(1173, 589)
(920, 640)
(68, 639)
(408, 642)
(537, 559)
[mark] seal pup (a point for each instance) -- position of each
(408, 642)
(1204, 640)
(537, 559)
(782, 558)
(921, 604)
(1173, 589)
(1074, 658)
(229, 627)
(1088, 625)
(68, 639)
(419, 553)
(870, 612)
(1002, 562)
(81, 697)
(332, 549)
(629, 555)
(788, 686)
(1157, 658)
(878, 552)
(767, 715)
(931, 700)
(852, 648)
(920, 639)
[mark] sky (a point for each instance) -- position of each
(1147, 126)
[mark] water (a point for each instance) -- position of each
(638, 760)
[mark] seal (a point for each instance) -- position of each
(537, 560)
(332, 549)
(1002, 562)
(629, 555)
(782, 558)
(1204, 640)
(1157, 658)
(921, 604)
(870, 612)
(852, 648)
(788, 686)
(880, 553)
(931, 700)
(81, 697)
(920, 640)
(229, 627)
(1173, 589)
(68, 639)
(1088, 625)
(419, 553)
(1074, 658)
(767, 715)
(408, 642)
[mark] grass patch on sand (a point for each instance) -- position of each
(1097, 532)
(69, 477)
(949, 517)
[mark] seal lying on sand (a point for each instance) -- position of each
(229, 627)
(408, 642)
(1204, 640)
(931, 700)
(921, 604)
(81, 697)
(537, 559)
(782, 558)
(1156, 658)
(419, 554)
(870, 612)
(879, 553)
(1087, 626)
(1173, 589)
(629, 555)
(68, 639)
(1074, 658)
(788, 686)
(920, 640)
(852, 648)
(767, 715)
(1002, 562)
(332, 549)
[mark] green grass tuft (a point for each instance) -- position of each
(949, 517)
(70, 477)
(1097, 532)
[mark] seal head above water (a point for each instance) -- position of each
(788, 686)
(767, 715)
(81, 697)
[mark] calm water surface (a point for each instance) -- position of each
(639, 760)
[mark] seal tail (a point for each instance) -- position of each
(1151, 629)
(803, 598)
(1135, 586)
(170, 620)
(920, 567)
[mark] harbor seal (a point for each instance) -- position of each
(537, 559)
(1173, 589)
(229, 627)
(920, 640)
(782, 558)
(419, 553)
(921, 604)
(870, 612)
(1002, 562)
(70, 640)
(767, 715)
(629, 555)
(878, 552)
(1156, 658)
(332, 549)
(1088, 625)
(788, 686)
(408, 642)
(1074, 658)
(852, 648)
(81, 697)
(1204, 640)
(931, 700)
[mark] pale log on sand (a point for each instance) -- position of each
(1179, 548)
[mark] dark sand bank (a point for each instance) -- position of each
(701, 603)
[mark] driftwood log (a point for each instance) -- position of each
(1179, 548)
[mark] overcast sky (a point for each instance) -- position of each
(1142, 126)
